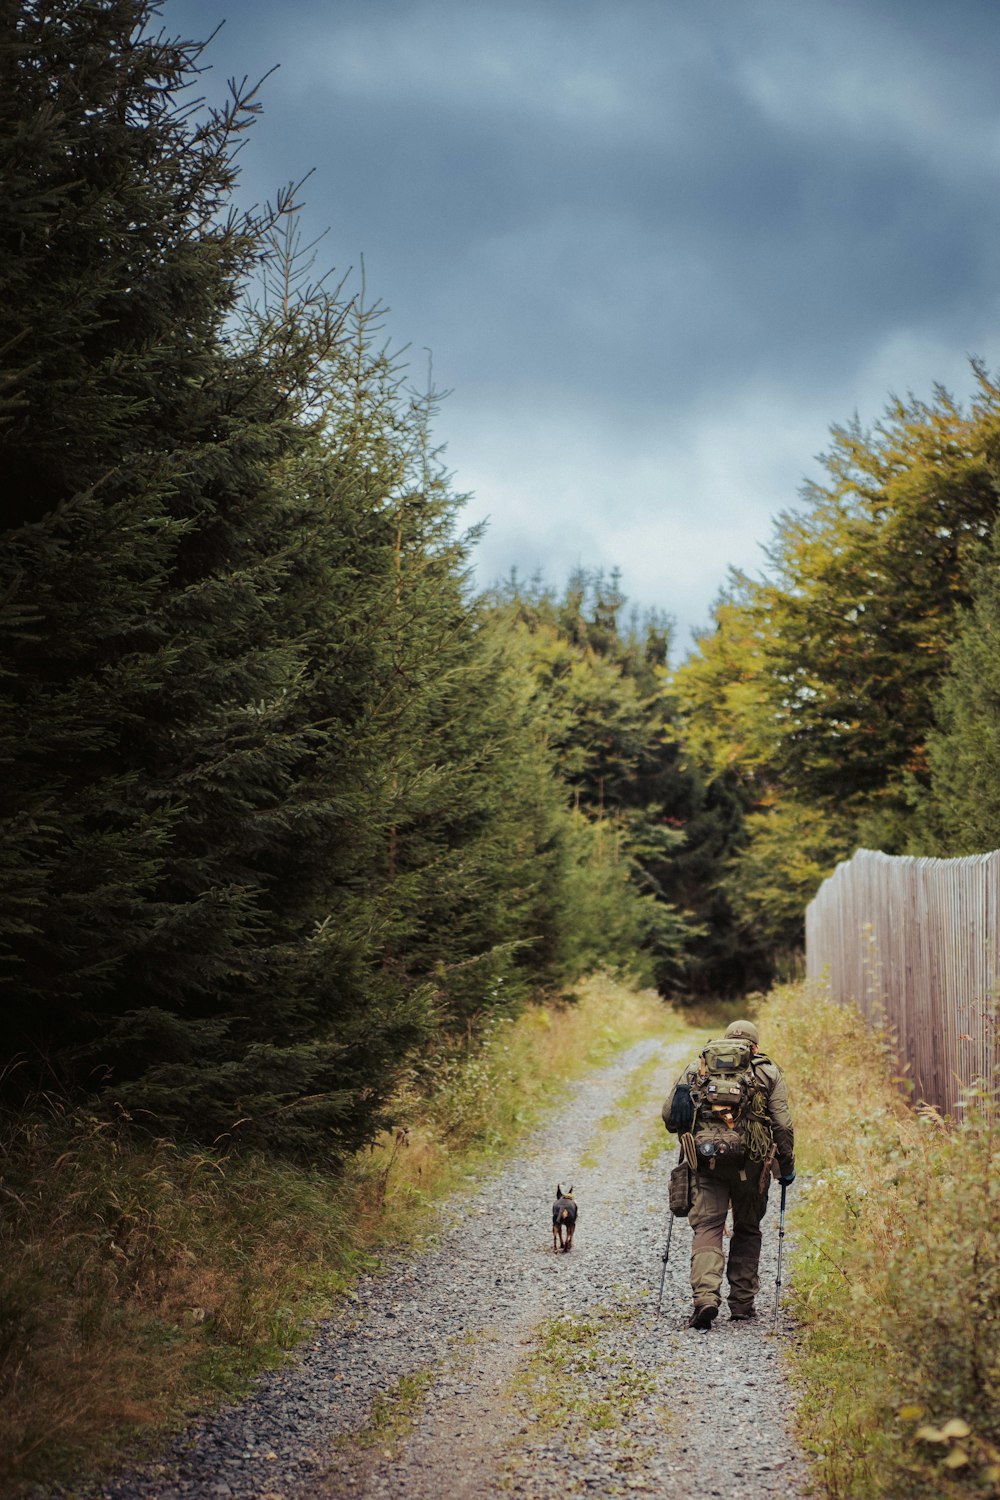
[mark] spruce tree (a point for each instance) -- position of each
(281, 798)
(602, 684)
(160, 683)
(132, 451)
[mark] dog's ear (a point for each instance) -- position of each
(569, 1191)
(558, 1191)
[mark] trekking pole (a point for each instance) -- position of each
(666, 1257)
(781, 1246)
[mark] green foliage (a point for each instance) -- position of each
(818, 688)
(962, 810)
(153, 693)
(601, 682)
(727, 777)
(896, 1277)
(790, 850)
(866, 582)
(280, 801)
(606, 719)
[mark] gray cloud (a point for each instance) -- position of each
(656, 248)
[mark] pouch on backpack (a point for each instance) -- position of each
(679, 1191)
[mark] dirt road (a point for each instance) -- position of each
(489, 1365)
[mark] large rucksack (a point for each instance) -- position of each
(731, 1126)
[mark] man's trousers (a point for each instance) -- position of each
(713, 1196)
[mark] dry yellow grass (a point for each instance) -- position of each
(896, 1275)
(483, 1101)
(138, 1278)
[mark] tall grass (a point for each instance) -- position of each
(896, 1276)
(139, 1278)
(484, 1098)
(133, 1275)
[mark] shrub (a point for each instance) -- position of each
(896, 1278)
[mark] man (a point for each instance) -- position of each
(743, 1187)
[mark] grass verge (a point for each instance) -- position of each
(393, 1415)
(140, 1280)
(575, 1380)
(896, 1278)
(579, 1381)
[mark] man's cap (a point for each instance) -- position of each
(745, 1030)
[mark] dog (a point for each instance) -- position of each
(563, 1219)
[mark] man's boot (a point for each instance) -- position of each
(704, 1316)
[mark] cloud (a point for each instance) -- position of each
(872, 85)
(672, 504)
(656, 249)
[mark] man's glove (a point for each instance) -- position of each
(786, 1179)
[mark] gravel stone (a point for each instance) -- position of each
(703, 1414)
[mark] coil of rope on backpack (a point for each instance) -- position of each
(758, 1128)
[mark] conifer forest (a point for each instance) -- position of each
(288, 801)
(284, 798)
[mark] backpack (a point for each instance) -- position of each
(731, 1126)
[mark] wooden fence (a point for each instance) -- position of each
(915, 943)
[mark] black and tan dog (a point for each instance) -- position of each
(563, 1219)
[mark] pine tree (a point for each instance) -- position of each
(161, 673)
(281, 798)
(133, 450)
(605, 716)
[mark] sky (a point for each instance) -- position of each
(655, 248)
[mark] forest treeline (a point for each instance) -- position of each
(284, 799)
(853, 689)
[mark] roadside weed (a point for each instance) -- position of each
(393, 1414)
(896, 1272)
(583, 1385)
(140, 1279)
(577, 1378)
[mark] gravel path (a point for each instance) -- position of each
(488, 1365)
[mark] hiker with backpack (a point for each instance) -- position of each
(729, 1109)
